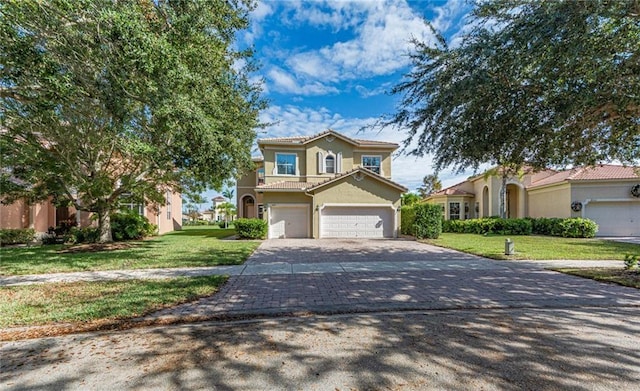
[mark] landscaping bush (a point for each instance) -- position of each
(130, 226)
(251, 228)
(631, 262)
(489, 225)
(578, 228)
(407, 220)
(17, 236)
(428, 221)
(83, 235)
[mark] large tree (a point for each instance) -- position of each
(430, 183)
(104, 98)
(537, 83)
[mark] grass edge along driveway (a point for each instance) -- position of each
(102, 301)
(191, 247)
(534, 247)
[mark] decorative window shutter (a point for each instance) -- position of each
(320, 163)
(339, 163)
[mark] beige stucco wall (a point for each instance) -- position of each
(384, 155)
(14, 216)
(165, 221)
(581, 191)
(445, 200)
(350, 191)
(552, 201)
(335, 147)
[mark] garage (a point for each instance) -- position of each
(289, 221)
(618, 218)
(357, 222)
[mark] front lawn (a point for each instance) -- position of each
(191, 247)
(614, 275)
(536, 247)
(91, 301)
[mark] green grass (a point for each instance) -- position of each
(191, 247)
(617, 276)
(536, 247)
(90, 301)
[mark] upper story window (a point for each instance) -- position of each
(330, 165)
(372, 163)
(286, 163)
(260, 175)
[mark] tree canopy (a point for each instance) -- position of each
(105, 98)
(430, 183)
(541, 83)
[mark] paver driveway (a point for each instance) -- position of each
(380, 275)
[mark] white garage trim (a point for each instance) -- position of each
(281, 231)
(392, 213)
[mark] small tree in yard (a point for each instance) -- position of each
(102, 99)
(228, 209)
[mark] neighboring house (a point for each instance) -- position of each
(607, 194)
(323, 186)
(217, 201)
(43, 215)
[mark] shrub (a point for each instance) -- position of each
(130, 226)
(251, 228)
(428, 221)
(631, 261)
(578, 228)
(83, 235)
(407, 220)
(17, 236)
(222, 224)
(489, 225)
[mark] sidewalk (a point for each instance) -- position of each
(284, 268)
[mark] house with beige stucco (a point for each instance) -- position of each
(323, 186)
(608, 194)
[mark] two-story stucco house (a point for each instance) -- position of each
(323, 186)
(607, 194)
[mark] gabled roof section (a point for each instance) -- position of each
(449, 191)
(302, 140)
(601, 172)
(354, 171)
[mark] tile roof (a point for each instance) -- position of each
(305, 139)
(451, 191)
(361, 169)
(286, 185)
(600, 172)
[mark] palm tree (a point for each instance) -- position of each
(228, 209)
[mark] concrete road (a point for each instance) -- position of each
(515, 349)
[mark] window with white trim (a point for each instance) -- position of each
(260, 176)
(372, 163)
(454, 211)
(285, 163)
(330, 164)
(127, 203)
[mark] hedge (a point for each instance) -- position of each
(428, 221)
(407, 219)
(131, 226)
(568, 228)
(17, 236)
(251, 228)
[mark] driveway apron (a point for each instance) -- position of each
(349, 275)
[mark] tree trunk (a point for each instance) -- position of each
(104, 225)
(503, 196)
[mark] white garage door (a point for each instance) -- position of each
(356, 222)
(615, 218)
(289, 222)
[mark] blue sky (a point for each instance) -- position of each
(330, 64)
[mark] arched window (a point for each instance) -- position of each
(330, 164)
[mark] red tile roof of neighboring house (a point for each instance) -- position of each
(306, 139)
(600, 172)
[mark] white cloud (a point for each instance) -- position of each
(292, 120)
(285, 82)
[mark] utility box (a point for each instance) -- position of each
(508, 247)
